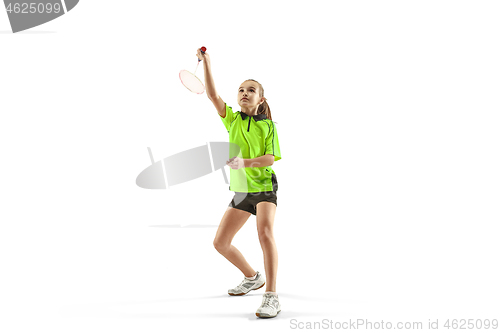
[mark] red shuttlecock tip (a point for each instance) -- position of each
(203, 49)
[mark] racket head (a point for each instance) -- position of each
(191, 82)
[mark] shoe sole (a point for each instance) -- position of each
(248, 291)
(263, 315)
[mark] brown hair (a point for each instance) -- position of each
(264, 107)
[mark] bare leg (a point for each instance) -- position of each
(265, 221)
(231, 223)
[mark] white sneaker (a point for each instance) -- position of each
(246, 285)
(270, 306)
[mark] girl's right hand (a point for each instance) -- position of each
(200, 55)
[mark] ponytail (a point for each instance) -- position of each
(264, 109)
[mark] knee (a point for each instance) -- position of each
(220, 246)
(266, 235)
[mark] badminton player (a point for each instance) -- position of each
(254, 182)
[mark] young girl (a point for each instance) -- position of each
(254, 182)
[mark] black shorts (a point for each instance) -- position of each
(248, 201)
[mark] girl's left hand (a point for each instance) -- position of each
(235, 163)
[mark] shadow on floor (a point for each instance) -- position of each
(106, 309)
(186, 226)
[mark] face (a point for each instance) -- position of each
(248, 95)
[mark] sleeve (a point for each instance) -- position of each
(230, 115)
(272, 144)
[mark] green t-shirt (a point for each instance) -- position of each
(255, 136)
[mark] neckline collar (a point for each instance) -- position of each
(256, 117)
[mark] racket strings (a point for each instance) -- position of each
(191, 82)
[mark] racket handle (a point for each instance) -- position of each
(203, 49)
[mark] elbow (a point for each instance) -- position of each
(271, 160)
(212, 95)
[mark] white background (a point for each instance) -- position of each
(388, 201)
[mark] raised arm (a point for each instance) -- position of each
(209, 84)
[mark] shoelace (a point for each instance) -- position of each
(267, 300)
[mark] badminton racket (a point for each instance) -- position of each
(190, 80)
